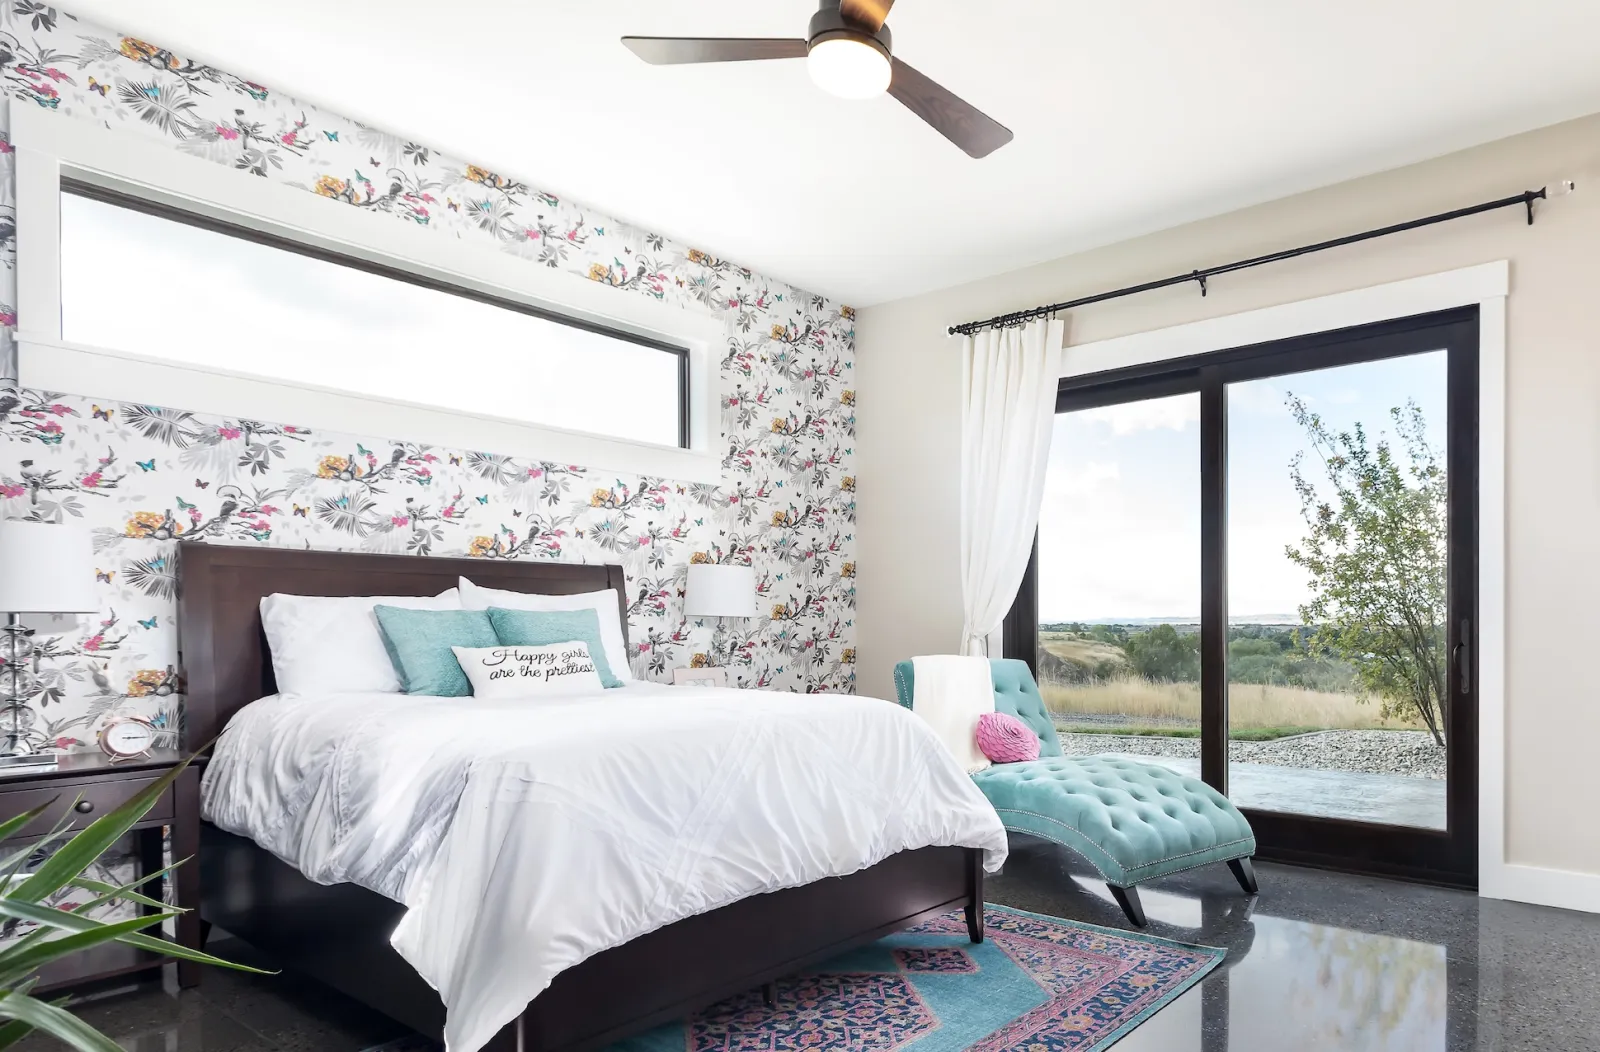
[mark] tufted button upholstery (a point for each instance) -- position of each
(1098, 807)
(1131, 820)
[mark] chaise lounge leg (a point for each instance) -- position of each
(1128, 899)
(1245, 874)
(975, 895)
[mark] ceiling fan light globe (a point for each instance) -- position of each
(849, 67)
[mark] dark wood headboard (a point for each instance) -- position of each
(220, 640)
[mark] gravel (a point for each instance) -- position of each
(1411, 753)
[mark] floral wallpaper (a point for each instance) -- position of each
(145, 476)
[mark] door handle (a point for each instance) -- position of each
(1461, 655)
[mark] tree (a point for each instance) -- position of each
(1376, 553)
(1163, 655)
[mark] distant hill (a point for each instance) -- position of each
(1089, 652)
(1067, 658)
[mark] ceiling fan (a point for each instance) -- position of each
(847, 49)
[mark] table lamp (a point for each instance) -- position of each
(44, 569)
(720, 590)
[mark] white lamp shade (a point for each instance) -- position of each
(720, 590)
(46, 569)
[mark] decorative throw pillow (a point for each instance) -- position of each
(542, 628)
(515, 672)
(420, 641)
(1006, 739)
(604, 603)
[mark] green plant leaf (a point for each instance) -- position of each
(48, 916)
(107, 892)
(16, 1030)
(55, 918)
(13, 1032)
(19, 858)
(172, 949)
(92, 841)
(12, 826)
(18, 962)
(36, 935)
(57, 1022)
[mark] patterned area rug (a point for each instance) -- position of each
(1036, 984)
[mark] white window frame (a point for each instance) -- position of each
(51, 147)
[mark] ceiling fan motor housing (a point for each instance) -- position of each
(829, 23)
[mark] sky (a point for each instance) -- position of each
(205, 298)
(1119, 527)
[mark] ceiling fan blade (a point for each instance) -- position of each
(872, 13)
(954, 118)
(672, 51)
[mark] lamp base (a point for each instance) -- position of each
(26, 764)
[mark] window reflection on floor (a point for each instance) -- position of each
(1343, 989)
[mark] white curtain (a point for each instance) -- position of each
(1009, 399)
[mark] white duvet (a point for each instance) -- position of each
(525, 836)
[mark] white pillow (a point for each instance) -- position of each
(516, 672)
(604, 603)
(328, 644)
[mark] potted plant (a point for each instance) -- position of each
(62, 932)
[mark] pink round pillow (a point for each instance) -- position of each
(1006, 739)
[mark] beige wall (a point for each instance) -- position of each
(908, 382)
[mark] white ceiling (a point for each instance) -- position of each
(1130, 116)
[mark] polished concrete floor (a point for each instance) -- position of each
(1318, 961)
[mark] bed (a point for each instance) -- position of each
(339, 933)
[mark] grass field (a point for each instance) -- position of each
(1088, 652)
(1147, 705)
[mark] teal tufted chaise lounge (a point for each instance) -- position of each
(1132, 821)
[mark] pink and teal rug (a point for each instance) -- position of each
(1036, 984)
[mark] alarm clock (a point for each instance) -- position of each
(127, 737)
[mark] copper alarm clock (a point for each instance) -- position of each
(127, 737)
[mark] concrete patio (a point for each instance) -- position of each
(1386, 798)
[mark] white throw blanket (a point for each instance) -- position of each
(525, 836)
(951, 692)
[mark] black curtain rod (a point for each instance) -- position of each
(1527, 198)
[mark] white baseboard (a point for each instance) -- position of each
(1545, 887)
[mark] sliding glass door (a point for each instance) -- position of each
(1258, 567)
(1119, 574)
(1337, 559)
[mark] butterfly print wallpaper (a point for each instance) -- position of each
(145, 476)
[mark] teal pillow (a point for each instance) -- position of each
(541, 628)
(419, 642)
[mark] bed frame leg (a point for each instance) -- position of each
(975, 894)
(1245, 874)
(769, 994)
(1128, 899)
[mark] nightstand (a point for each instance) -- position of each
(88, 785)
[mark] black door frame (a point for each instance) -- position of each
(1449, 856)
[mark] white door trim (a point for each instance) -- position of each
(1395, 299)
(1485, 285)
